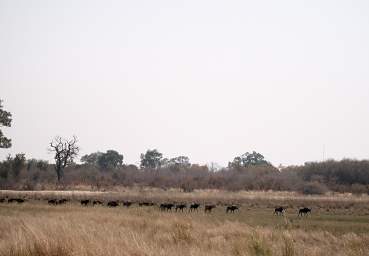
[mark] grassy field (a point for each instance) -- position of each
(339, 225)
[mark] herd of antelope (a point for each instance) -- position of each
(168, 207)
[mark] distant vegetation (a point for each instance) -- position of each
(249, 171)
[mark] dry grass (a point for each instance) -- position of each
(333, 203)
(38, 229)
(201, 194)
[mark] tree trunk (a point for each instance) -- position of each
(59, 173)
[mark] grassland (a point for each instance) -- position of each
(339, 225)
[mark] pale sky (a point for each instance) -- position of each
(206, 79)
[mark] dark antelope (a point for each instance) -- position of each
(145, 204)
(166, 207)
(52, 201)
(279, 211)
(304, 211)
(127, 203)
(232, 208)
(62, 201)
(113, 204)
(97, 202)
(209, 208)
(194, 207)
(18, 200)
(85, 202)
(180, 207)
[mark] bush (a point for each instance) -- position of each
(314, 188)
(187, 187)
(359, 189)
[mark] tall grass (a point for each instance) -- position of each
(39, 229)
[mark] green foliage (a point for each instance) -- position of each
(39, 164)
(91, 159)
(248, 159)
(151, 159)
(31, 163)
(15, 165)
(104, 161)
(5, 120)
(176, 162)
(5, 167)
(110, 160)
(18, 163)
(42, 165)
(345, 172)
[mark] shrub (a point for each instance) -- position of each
(314, 188)
(359, 189)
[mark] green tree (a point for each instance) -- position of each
(5, 167)
(248, 159)
(110, 160)
(151, 159)
(5, 120)
(176, 162)
(39, 164)
(18, 163)
(91, 159)
(42, 165)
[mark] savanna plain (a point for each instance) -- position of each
(337, 225)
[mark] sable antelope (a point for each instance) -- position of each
(113, 204)
(95, 202)
(279, 211)
(180, 207)
(194, 207)
(232, 208)
(52, 201)
(18, 200)
(62, 201)
(145, 204)
(208, 208)
(304, 211)
(166, 206)
(127, 203)
(163, 207)
(85, 202)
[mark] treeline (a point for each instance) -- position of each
(102, 170)
(250, 171)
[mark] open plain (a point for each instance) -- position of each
(338, 224)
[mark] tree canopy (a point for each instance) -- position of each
(151, 159)
(105, 161)
(248, 159)
(91, 159)
(176, 162)
(110, 160)
(5, 120)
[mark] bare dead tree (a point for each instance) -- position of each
(65, 151)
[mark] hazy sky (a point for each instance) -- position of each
(206, 79)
